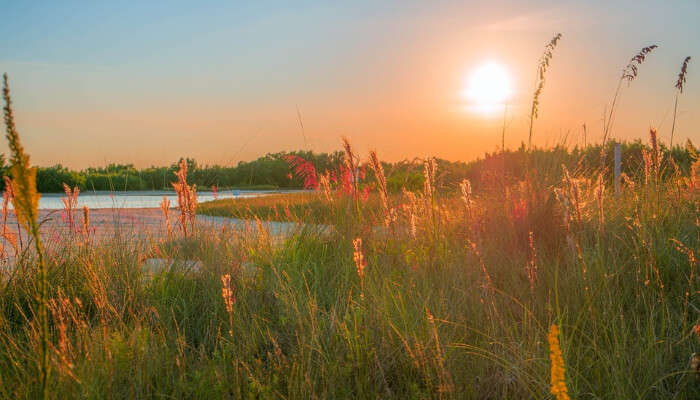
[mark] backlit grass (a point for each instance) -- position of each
(452, 296)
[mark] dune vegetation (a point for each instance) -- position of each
(560, 281)
(418, 294)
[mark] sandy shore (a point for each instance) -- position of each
(133, 222)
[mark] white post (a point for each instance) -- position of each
(618, 168)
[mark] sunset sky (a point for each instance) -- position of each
(141, 83)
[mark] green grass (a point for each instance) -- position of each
(274, 207)
(300, 328)
(305, 207)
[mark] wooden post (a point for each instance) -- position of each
(618, 168)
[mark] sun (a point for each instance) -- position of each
(488, 88)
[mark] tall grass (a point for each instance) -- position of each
(525, 286)
(629, 73)
(679, 89)
(25, 200)
(456, 300)
(542, 67)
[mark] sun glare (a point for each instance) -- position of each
(488, 89)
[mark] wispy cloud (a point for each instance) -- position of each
(545, 19)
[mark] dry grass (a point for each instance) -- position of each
(542, 67)
(629, 73)
(679, 86)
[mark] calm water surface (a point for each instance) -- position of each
(140, 199)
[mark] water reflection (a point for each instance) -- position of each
(139, 199)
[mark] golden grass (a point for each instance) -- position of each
(542, 67)
(25, 200)
(558, 369)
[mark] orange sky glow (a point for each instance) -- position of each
(388, 80)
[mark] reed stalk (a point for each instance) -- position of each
(679, 89)
(629, 73)
(542, 67)
(26, 205)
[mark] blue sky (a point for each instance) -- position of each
(148, 82)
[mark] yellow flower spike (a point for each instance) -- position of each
(558, 383)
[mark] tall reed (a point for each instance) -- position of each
(26, 205)
(186, 199)
(542, 67)
(86, 223)
(429, 191)
(229, 299)
(70, 204)
(376, 165)
(6, 234)
(629, 73)
(165, 209)
(679, 89)
(351, 163)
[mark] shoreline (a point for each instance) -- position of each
(142, 222)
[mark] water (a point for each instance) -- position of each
(140, 199)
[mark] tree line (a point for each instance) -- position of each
(273, 171)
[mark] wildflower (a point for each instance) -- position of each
(346, 181)
(558, 383)
(365, 194)
(304, 170)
